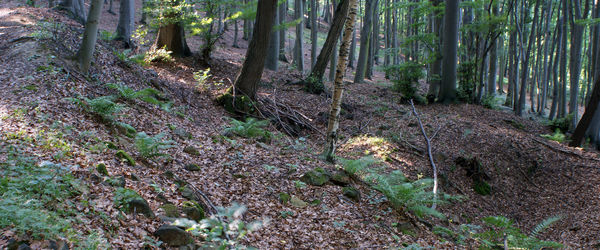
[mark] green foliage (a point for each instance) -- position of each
(124, 156)
(141, 35)
(152, 146)
(314, 85)
(227, 221)
(557, 136)
(414, 196)
(201, 77)
(406, 79)
(105, 35)
(561, 123)
(158, 55)
(103, 106)
(47, 30)
(122, 197)
(502, 227)
(33, 197)
(148, 94)
(251, 128)
(491, 102)
(466, 76)
(125, 56)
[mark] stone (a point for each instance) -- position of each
(124, 156)
(58, 245)
(340, 178)
(101, 168)
(315, 177)
(117, 181)
(193, 211)
(170, 210)
(182, 134)
(192, 167)
(351, 193)
(188, 193)
(297, 202)
(173, 235)
(140, 206)
(191, 150)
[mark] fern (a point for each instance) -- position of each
(544, 225)
(503, 227)
(251, 128)
(148, 94)
(103, 106)
(152, 146)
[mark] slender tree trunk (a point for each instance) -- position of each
(373, 42)
(525, 71)
(126, 18)
(246, 83)
(282, 19)
(314, 29)
(556, 84)
(110, 7)
(365, 36)
(334, 114)
(575, 60)
(387, 26)
(75, 8)
(562, 108)
(272, 60)
(235, 34)
(88, 44)
(436, 69)
(448, 87)
(503, 64)
(352, 55)
(328, 49)
(298, 51)
(587, 117)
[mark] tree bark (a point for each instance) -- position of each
(365, 35)
(586, 119)
(282, 19)
(525, 71)
(76, 8)
(172, 37)
(125, 25)
(88, 44)
(448, 87)
(334, 114)
(575, 60)
(246, 83)
(314, 29)
(298, 50)
(272, 61)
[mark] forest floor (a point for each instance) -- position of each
(531, 178)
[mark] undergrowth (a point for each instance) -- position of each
(558, 136)
(152, 146)
(251, 128)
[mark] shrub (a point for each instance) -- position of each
(223, 230)
(406, 79)
(490, 102)
(201, 77)
(466, 76)
(557, 136)
(158, 55)
(152, 146)
(122, 197)
(148, 94)
(251, 128)
(126, 57)
(561, 123)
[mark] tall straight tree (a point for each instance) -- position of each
(577, 31)
(314, 29)
(365, 35)
(246, 82)
(75, 8)
(272, 61)
(450, 40)
(525, 71)
(562, 103)
(298, 51)
(338, 85)
(126, 18)
(88, 44)
(282, 19)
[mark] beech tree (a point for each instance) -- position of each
(298, 51)
(246, 82)
(88, 44)
(126, 21)
(76, 8)
(448, 86)
(365, 35)
(168, 16)
(338, 89)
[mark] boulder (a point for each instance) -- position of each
(140, 206)
(351, 193)
(191, 150)
(340, 178)
(192, 167)
(315, 177)
(173, 235)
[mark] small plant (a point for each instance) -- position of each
(490, 102)
(152, 146)
(47, 30)
(148, 94)
(466, 77)
(504, 230)
(158, 55)
(561, 123)
(201, 77)
(105, 35)
(122, 197)
(103, 106)
(557, 136)
(406, 78)
(251, 128)
(140, 35)
(223, 230)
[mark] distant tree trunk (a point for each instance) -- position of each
(143, 18)
(365, 35)
(513, 62)
(436, 67)
(395, 21)
(328, 49)
(298, 51)
(235, 34)
(575, 60)
(525, 71)
(387, 27)
(448, 87)
(373, 42)
(272, 61)
(502, 66)
(352, 53)
(547, 61)
(75, 8)
(555, 82)
(88, 44)
(282, 19)
(562, 104)
(246, 83)
(314, 29)
(334, 114)
(246, 25)
(125, 25)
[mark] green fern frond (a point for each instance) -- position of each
(544, 225)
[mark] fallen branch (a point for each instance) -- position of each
(287, 118)
(428, 141)
(564, 150)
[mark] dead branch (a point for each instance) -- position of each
(564, 150)
(286, 117)
(428, 141)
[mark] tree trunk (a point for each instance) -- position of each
(246, 83)
(586, 119)
(335, 29)
(525, 71)
(334, 114)
(272, 60)
(352, 55)
(373, 43)
(575, 60)
(76, 8)
(448, 87)
(235, 34)
(282, 19)
(365, 35)
(110, 7)
(143, 18)
(126, 19)
(562, 104)
(314, 29)
(493, 59)
(298, 51)
(88, 44)
(172, 37)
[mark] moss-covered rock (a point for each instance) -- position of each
(182, 134)
(193, 210)
(191, 167)
(297, 202)
(481, 187)
(124, 156)
(170, 210)
(101, 168)
(191, 150)
(315, 177)
(116, 181)
(188, 193)
(351, 193)
(238, 104)
(173, 236)
(111, 145)
(340, 178)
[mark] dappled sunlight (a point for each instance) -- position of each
(379, 147)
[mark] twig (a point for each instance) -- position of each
(428, 141)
